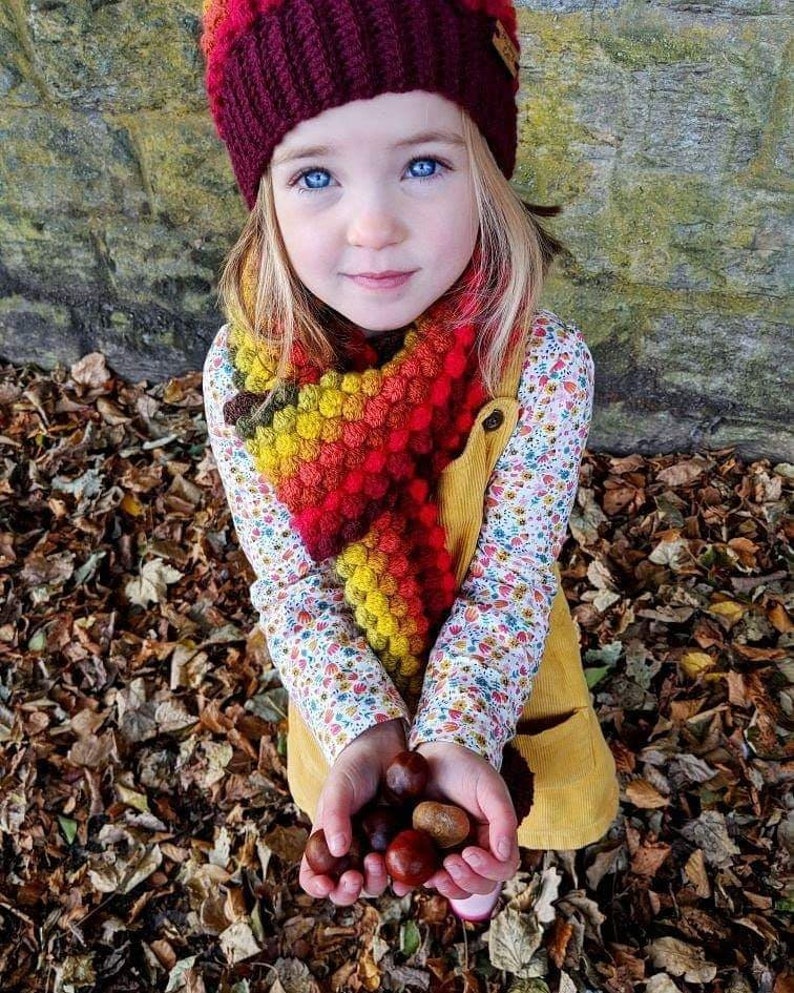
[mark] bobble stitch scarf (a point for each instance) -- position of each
(355, 453)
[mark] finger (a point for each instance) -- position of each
(376, 879)
(444, 884)
(400, 889)
(336, 820)
(313, 883)
(465, 877)
(500, 814)
(348, 889)
(484, 864)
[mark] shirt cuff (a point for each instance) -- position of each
(468, 703)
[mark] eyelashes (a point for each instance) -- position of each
(311, 171)
(439, 168)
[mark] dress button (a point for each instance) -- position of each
(493, 421)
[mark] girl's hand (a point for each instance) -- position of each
(461, 776)
(353, 781)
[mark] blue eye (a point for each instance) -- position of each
(315, 179)
(423, 168)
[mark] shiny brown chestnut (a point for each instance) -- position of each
(406, 777)
(411, 858)
(380, 824)
(319, 856)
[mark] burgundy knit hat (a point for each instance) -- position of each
(274, 63)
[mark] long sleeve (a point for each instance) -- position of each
(331, 674)
(480, 672)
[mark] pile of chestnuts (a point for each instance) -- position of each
(410, 832)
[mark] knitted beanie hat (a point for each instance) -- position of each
(274, 63)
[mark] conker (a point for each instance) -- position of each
(319, 856)
(446, 824)
(411, 858)
(406, 776)
(380, 824)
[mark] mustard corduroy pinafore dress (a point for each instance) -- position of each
(575, 787)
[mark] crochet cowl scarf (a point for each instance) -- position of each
(355, 451)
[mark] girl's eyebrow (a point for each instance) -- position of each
(318, 151)
(425, 137)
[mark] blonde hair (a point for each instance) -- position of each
(260, 291)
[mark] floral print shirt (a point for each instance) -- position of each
(480, 671)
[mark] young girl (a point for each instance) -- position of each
(398, 431)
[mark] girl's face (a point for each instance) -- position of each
(376, 206)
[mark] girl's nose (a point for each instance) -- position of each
(375, 225)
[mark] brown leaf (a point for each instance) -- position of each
(780, 619)
(647, 860)
(238, 942)
(746, 551)
(557, 938)
(91, 371)
(681, 959)
(643, 795)
(604, 863)
(152, 583)
(683, 473)
(287, 842)
(93, 752)
(695, 870)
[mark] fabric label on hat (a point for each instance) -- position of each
(505, 47)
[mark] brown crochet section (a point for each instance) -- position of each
(241, 405)
(520, 780)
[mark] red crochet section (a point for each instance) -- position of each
(403, 439)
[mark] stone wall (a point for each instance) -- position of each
(661, 127)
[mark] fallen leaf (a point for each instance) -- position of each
(178, 977)
(643, 795)
(567, 985)
(238, 942)
(681, 959)
(542, 906)
(728, 611)
(123, 874)
(673, 552)
(604, 863)
(557, 939)
(295, 976)
(90, 371)
(694, 664)
(709, 832)
(513, 939)
(649, 857)
(660, 983)
(683, 473)
(151, 585)
(695, 870)
(780, 619)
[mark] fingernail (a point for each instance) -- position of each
(503, 848)
(337, 844)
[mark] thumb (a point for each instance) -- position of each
(496, 805)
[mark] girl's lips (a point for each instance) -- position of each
(380, 280)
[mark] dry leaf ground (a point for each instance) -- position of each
(148, 838)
